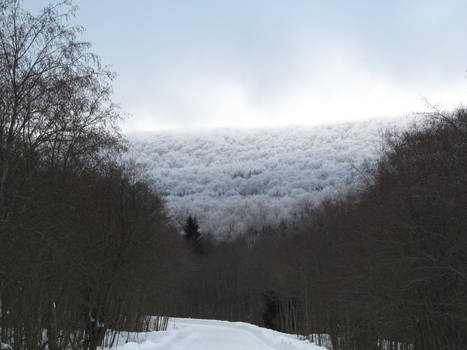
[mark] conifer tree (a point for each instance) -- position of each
(192, 234)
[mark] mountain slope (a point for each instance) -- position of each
(235, 180)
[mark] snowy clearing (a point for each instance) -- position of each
(194, 334)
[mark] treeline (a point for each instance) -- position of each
(383, 268)
(81, 254)
(84, 243)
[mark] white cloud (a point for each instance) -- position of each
(333, 86)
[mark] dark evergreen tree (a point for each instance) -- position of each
(193, 235)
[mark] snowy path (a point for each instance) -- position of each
(193, 334)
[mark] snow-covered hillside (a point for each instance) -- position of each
(232, 180)
(192, 334)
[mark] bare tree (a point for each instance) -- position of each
(56, 113)
(54, 93)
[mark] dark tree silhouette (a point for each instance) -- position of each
(79, 233)
(193, 235)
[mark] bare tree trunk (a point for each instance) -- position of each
(52, 326)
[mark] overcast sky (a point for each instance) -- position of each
(199, 64)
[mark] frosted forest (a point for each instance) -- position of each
(240, 180)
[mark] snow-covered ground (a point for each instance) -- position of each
(194, 334)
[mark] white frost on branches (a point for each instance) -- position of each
(233, 180)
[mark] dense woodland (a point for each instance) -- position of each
(87, 248)
(83, 243)
(383, 268)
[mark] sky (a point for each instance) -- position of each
(255, 63)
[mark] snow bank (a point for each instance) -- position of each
(194, 334)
